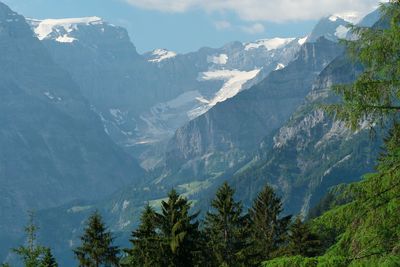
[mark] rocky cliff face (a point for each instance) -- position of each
(311, 152)
(53, 146)
(225, 135)
(142, 100)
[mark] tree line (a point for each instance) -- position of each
(175, 236)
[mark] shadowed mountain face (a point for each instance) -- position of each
(53, 146)
(311, 153)
(143, 99)
(225, 135)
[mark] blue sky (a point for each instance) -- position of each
(187, 25)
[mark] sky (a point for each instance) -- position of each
(187, 25)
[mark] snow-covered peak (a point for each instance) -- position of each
(351, 17)
(159, 55)
(269, 44)
(44, 28)
(302, 41)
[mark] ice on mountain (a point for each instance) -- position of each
(269, 44)
(162, 54)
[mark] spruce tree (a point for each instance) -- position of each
(178, 231)
(97, 245)
(301, 240)
(268, 229)
(227, 229)
(31, 253)
(145, 241)
(48, 260)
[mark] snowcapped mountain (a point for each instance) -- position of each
(62, 30)
(269, 44)
(159, 55)
(143, 99)
(53, 147)
(332, 27)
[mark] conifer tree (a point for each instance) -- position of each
(227, 229)
(178, 231)
(48, 260)
(97, 245)
(301, 240)
(268, 229)
(145, 241)
(31, 253)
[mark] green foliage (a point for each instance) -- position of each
(367, 230)
(227, 229)
(48, 260)
(96, 245)
(179, 231)
(268, 230)
(301, 240)
(169, 238)
(33, 255)
(145, 242)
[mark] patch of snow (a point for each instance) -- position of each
(328, 171)
(118, 115)
(333, 18)
(162, 54)
(280, 66)
(52, 97)
(220, 60)
(302, 40)
(65, 39)
(49, 95)
(269, 44)
(341, 32)
(350, 16)
(233, 84)
(43, 28)
(125, 204)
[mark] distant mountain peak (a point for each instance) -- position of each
(269, 44)
(161, 54)
(60, 29)
(350, 16)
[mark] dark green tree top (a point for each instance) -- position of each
(48, 259)
(145, 241)
(268, 229)
(97, 245)
(301, 240)
(31, 253)
(179, 230)
(227, 228)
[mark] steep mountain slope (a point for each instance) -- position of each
(53, 146)
(332, 28)
(225, 135)
(143, 99)
(311, 153)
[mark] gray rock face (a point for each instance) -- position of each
(332, 28)
(311, 152)
(234, 128)
(53, 146)
(142, 100)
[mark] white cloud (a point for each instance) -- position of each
(263, 10)
(222, 25)
(253, 29)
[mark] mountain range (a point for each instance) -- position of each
(89, 123)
